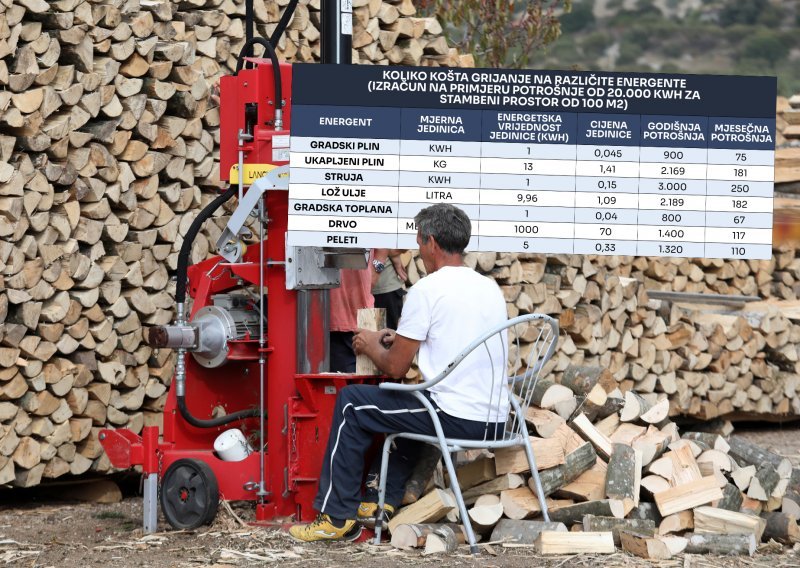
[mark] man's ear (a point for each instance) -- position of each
(434, 244)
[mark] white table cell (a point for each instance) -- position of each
(741, 172)
(527, 151)
(339, 223)
(606, 232)
(407, 226)
(535, 198)
(439, 195)
(607, 200)
(522, 229)
(682, 155)
(741, 157)
(739, 204)
(527, 167)
(330, 192)
(343, 161)
(608, 153)
(737, 236)
(672, 202)
(670, 233)
(440, 164)
(607, 169)
(672, 171)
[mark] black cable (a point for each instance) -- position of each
(188, 241)
(287, 15)
(249, 20)
(276, 71)
(214, 422)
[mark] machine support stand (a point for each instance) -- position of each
(150, 499)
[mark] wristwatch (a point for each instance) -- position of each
(379, 266)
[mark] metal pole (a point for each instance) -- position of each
(262, 491)
(337, 32)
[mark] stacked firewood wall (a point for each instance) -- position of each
(109, 133)
(108, 149)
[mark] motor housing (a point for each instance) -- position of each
(231, 317)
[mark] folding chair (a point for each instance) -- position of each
(542, 332)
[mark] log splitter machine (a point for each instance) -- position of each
(252, 351)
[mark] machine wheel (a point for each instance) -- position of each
(189, 494)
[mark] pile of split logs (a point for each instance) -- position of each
(617, 473)
(109, 142)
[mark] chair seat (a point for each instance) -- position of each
(455, 444)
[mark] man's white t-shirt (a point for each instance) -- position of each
(446, 311)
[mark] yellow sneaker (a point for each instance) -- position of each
(367, 511)
(323, 529)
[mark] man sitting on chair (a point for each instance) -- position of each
(443, 313)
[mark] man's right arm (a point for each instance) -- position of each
(395, 361)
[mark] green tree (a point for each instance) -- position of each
(499, 33)
(741, 11)
(767, 46)
(580, 18)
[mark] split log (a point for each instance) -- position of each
(688, 496)
(652, 547)
(426, 464)
(572, 514)
(712, 520)
(522, 532)
(485, 513)
(443, 540)
(429, 509)
(781, 527)
(721, 544)
(575, 464)
(592, 523)
(414, 536)
(556, 542)
(624, 475)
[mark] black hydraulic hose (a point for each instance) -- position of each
(276, 71)
(214, 422)
(188, 241)
(180, 297)
(287, 15)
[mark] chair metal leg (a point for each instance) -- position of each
(387, 444)
(462, 507)
(537, 481)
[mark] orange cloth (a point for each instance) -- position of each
(353, 294)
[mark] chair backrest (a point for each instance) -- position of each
(527, 342)
(533, 342)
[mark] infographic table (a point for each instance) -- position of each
(541, 161)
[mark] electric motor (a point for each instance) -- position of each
(231, 317)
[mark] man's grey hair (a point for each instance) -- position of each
(446, 223)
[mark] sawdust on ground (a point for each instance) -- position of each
(38, 532)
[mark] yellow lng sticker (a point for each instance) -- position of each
(252, 172)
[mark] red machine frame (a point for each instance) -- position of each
(299, 407)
